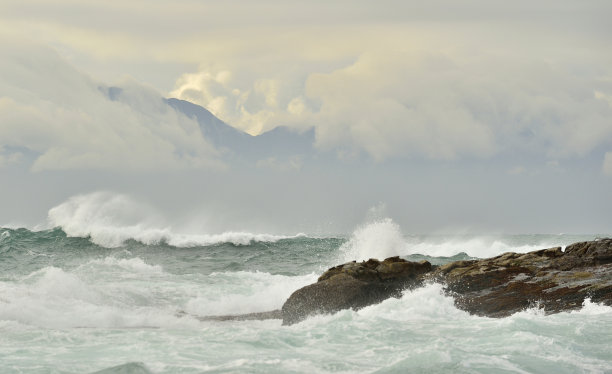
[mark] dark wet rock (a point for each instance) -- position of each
(551, 279)
(354, 285)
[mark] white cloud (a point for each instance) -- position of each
(248, 103)
(52, 109)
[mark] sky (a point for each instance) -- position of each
(453, 116)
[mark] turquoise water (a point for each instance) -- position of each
(100, 301)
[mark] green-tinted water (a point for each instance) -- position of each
(69, 305)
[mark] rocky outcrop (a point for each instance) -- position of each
(551, 279)
(354, 285)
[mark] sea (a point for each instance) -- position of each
(86, 296)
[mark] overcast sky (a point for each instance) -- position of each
(478, 115)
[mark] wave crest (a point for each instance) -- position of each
(109, 220)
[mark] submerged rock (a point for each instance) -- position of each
(354, 285)
(259, 316)
(552, 279)
(129, 368)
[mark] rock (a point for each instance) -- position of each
(551, 279)
(353, 285)
(273, 314)
(259, 316)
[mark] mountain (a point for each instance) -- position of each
(216, 131)
(280, 143)
(275, 147)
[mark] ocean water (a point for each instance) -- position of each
(112, 297)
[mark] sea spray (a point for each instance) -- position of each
(244, 292)
(480, 246)
(382, 237)
(379, 239)
(110, 219)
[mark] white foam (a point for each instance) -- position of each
(423, 304)
(130, 264)
(55, 298)
(379, 239)
(383, 238)
(110, 219)
(476, 247)
(245, 292)
(5, 235)
(236, 238)
(590, 308)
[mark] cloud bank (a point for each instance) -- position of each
(435, 80)
(426, 104)
(68, 121)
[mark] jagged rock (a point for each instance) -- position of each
(550, 279)
(353, 285)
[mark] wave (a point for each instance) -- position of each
(134, 264)
(245, 292)
(379, 239)
(481, 247)
(57, 298)
(383, 238)
(110, 220)
(129, 293)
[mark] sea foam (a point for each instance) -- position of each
(379, 239)
(56, 298)
(110, 219)
(245, 292)
(383, 238)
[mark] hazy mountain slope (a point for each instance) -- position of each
(280, 143)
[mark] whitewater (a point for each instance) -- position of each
(106, 290)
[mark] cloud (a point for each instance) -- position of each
(9, 157)
(64, 116)
(240, 98)
(607, 164)
(407, 79)
(424, 103)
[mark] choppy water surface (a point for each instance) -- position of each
(110, 300)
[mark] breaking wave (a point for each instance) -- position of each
(109, 220)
